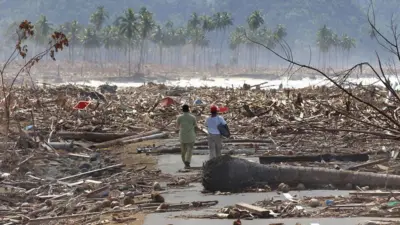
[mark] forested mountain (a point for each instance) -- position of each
(302, 23)
(299, 16)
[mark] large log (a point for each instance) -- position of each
(226, 173)
(88, 136)
(358, 157)
(120, 141)
(247, 141)
(177, 150)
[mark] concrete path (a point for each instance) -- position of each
(172, 163)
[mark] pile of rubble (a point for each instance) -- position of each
(357, 204)
(309, 119)
(52, 169)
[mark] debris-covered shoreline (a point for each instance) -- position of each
(67, 163)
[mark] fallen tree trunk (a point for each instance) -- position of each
(121, 141)
(201, 151)
(232, 174)
(88, 136)
(359, 157)
(247, 141)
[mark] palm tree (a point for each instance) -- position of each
(90, 41)
(74, 30)
(98, 18)
(336, 44)
(280, 32)
(225, 22)
(107, 37)
(236, 39)
(195, 33)
(324, 42)
(64, 28)
(207, 23)
(119, 41)
(254, 21)
(347, 44)
(207, 26)
(204, 43)
(179, 39)
(42, 30)
(128, 27)
(159, 38)
(146, 25)
(71, 30)
(270, 38)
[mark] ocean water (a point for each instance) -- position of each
(238, 82)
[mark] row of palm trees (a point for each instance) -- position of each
(330, 43)
(137, 35)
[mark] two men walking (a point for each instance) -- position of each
(187, 125)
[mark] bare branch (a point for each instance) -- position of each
(331, 80)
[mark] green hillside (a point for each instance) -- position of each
(298, 22)
(301, 17)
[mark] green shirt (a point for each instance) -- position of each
(187, 124)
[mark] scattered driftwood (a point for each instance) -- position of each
(46, 219)
(90, 172)
(263, 213)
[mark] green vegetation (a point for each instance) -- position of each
(141, 37)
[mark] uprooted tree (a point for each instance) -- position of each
(25, 31)
(364, 104)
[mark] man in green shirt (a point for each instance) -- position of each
(186, 123)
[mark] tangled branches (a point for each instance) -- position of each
(386, 114)
(25, 31)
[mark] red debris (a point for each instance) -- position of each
(223, 109)
(167, 101)
(81, 105)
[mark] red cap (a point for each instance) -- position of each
(213, 108)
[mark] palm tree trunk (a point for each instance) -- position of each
(161, 54)
(205, 58)
(319, 58)
(217, 175)
(129, 59)
(194, 57)
(141, 56)
(221, 45)
(72, 54)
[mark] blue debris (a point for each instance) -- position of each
(198, 102)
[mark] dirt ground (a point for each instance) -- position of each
(128, 156)
(140, 217)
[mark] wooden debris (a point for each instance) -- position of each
(92, 171)
(254, 209)
(374, 162)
